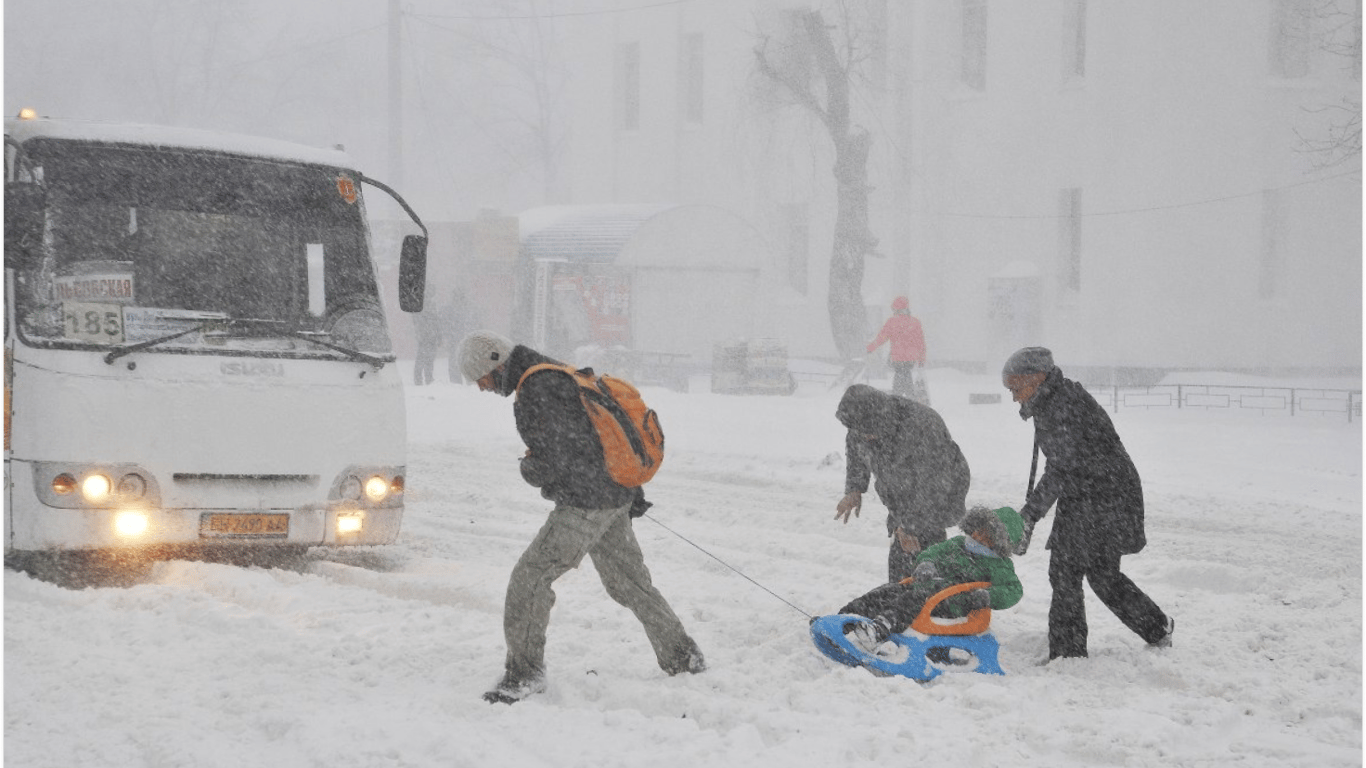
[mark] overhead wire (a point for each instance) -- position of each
(565, 14)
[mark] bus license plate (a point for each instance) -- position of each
(250, 525)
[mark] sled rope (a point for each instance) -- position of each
(728, 565)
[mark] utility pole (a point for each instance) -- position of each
(395, 96)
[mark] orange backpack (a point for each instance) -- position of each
(632, 440)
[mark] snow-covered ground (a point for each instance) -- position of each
(379, 657)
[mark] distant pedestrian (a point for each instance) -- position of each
(592, 516)
(920, 473)
(1096, 487)
(428, 327)
(907, 353)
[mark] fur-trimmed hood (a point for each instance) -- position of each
(1005, 525)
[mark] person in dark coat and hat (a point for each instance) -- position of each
(920, 473)
(1099, 496)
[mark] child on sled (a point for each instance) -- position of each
(983, 554)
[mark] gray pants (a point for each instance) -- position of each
(569, 534)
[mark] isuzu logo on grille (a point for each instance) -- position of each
(252, 368)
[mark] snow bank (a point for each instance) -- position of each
(379, 657)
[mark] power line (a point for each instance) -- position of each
(524, 17)
(302, 47)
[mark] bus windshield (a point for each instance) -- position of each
(197, 251)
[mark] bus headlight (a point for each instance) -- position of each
(372, 486)
(130, 524)
(95, 488)
(76, 485)
(376, 488)
(350, 522)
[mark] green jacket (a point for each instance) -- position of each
(955, 564)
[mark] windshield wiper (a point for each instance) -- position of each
(353, 354)
(273, 327)
(118, 352)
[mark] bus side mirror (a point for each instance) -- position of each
(412, 273)
(24, 206)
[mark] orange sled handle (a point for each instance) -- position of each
(977, 621)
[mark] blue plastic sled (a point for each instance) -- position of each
(910, 656)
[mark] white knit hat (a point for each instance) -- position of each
(481, 352)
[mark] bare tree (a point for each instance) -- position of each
(191, 54)
(1337, 25)
(514, 73)
(811, 60)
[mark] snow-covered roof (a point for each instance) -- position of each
(583, 233)
(22, 130)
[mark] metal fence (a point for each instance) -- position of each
(1290, 401)
(1211, 397)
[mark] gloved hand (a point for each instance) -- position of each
(534, 471)
(1028, 534)
(639, 505)
(925, 571)
(975, 599)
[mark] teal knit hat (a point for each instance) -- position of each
(1014, 524)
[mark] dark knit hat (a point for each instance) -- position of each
(1029, 360)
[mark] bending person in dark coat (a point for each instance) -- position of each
(920, 474)
(1095, 485)
(592, 517)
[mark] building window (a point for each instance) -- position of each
(796, 245)
(628, 86)
(1074, 40)
(1272, 235)
(973, 70)
(1069, 241)
(1290, 38)
(690, 76)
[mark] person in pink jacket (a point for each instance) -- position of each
(908, 346)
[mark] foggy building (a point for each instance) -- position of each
(1135, 184)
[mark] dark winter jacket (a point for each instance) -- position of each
(1088, 473)
(920, 474)
(564, 454)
